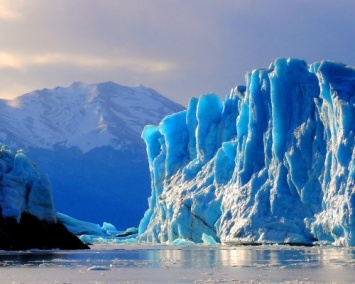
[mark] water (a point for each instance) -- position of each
(171, 264)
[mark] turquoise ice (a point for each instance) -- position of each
(272, 163)
(23, 188)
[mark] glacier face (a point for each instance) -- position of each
(23, 189)
(273, 163)
(86, 137)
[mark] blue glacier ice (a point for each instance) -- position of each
(272, 163)
(92, 233)
(23, 189)
(28, 218)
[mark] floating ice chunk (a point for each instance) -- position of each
(78, 227)
(107, 240)
(183, 242)
(208, 240)
(98, 268)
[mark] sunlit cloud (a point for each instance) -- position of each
(8, 60)
(180, 49)
(11, 92)
(116, 62)
(20, 61)
(10, 10)
(58, 58)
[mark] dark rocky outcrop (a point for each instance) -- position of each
(31, 233)
(28, 218)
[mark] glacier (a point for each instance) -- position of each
(28, 218)
(274, 163)
(23, 188)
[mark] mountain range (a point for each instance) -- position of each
(86, 137)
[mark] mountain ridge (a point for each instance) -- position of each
(86, 137)
(61, 115)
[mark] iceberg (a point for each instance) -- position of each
(272, 163)
(91, 233)
(23, 188)
(28, 218)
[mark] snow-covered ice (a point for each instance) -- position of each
(273, 163)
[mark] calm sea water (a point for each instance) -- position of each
(171, 264)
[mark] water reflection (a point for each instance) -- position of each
(25, 258)
(186, 257)
(286, 256)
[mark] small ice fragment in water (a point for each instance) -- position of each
(208, 240)
(98, 268)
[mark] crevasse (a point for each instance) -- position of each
(273, 163)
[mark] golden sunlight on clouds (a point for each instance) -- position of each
(8, 60)
(134, 64)
(12, 91)
(19, 61)
(57, 58)
(17, 68)
(10, 10)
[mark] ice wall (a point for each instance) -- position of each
(23, 188)
(273, 163)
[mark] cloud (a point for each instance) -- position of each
(8, 60)
(181, 48)
(10, 10)
(22, 61)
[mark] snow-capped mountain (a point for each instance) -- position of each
(82, 116)
(87, 138)
(273, 163)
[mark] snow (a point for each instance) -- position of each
(74, 116)
(273, 163)
(23, 188)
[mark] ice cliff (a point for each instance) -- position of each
(28, 218)
(273, 163)
(23, 188)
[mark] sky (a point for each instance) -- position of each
(181, 48)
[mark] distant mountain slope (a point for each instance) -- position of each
(87, 138)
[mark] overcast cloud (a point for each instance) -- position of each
(181, 48)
